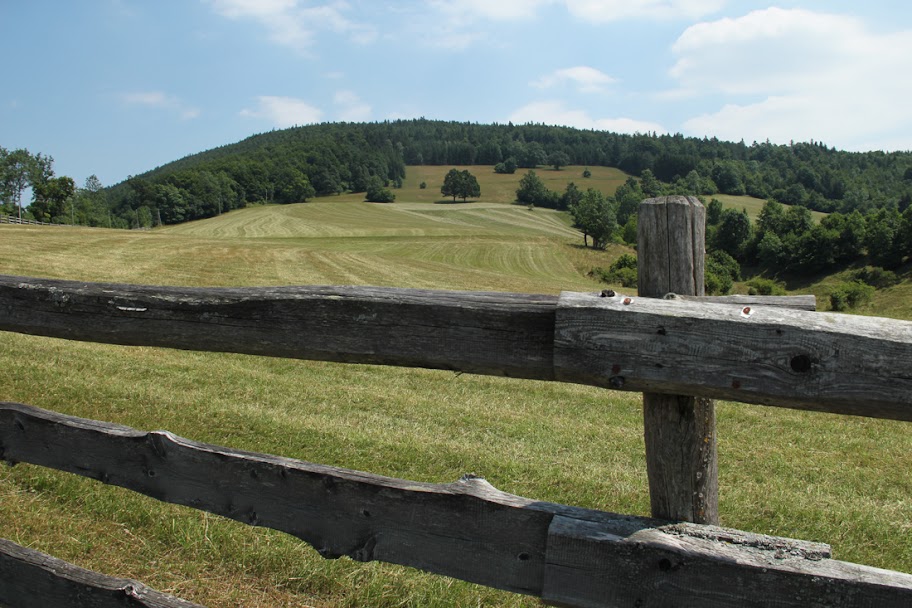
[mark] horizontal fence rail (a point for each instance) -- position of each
(755, 354)
(32, 579)
(11, 219)
(467, 529)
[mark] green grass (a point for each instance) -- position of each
(828, 478)
(496, 188)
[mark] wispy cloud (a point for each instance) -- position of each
(586, 79)
(796, 74)
(283, 112)
(351, 108)
(499, 10)
(160, 100)
(604, 11)
(290, 24)
(556, 113)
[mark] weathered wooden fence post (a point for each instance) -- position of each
(680, 431)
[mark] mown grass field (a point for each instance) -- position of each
(828, 478)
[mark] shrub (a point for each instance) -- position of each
(850, 294)
(629, 233)
(765, 287)
(422, 185)
(721, 272)
(877, 277)
(623, 272)
(587, 172)
(714, 284)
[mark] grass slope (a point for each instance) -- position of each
(820, 477)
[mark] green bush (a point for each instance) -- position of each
(877, 277)
(765, 287)
(623, 272)
(715, 284)
(850, 294)
(422, 185)
(721, 272)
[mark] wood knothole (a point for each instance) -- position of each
(801, 364)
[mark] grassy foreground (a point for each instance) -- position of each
(835, 479)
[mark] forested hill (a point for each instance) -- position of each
(293, 165)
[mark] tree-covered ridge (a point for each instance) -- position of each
(295, 164)
(288, 166)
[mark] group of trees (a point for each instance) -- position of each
(602, 218)
(460, 184)
(786, 237)
(55, 199)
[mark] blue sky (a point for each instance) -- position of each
(118, 87)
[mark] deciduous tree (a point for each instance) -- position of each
(460, 184)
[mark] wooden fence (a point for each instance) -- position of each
(11, 219)
(753, 351)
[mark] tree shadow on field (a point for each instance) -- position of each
(447, 201)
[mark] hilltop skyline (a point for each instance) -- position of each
(118, 87)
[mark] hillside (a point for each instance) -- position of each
(296, 164)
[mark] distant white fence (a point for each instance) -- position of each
(9, 219)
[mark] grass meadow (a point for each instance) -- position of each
(828, 478)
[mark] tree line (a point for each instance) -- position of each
(55, 199)
(294, 165)
(784, 240)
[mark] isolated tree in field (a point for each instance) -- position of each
(595, 216)
(531, 189)
(460, 184)
(558, 159)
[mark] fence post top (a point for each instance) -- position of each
(675, 199)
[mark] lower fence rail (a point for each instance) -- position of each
(468, 529)
(31, 579)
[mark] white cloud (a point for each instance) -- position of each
(292, 25)
(555, 113)
(797, 74)
(604, 11)
(158, 99)
(495, 10)
(351, 108)
(284, 112)
(585, 78)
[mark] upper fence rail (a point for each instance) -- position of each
(755, 354)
